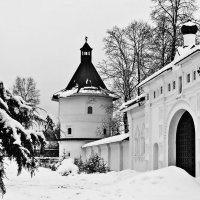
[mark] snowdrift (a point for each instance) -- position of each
(169, 183)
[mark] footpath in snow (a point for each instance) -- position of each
(169, 183)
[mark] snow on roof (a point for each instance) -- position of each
(132, 101)
(189, 23)
(189, 51)
(159, 72)
(85, 90)
(182, 54)
(112, 139)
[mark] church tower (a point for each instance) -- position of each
(82, 107)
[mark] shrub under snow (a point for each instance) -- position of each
(95, 164)
(67, 167)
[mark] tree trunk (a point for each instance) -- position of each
(138, 71)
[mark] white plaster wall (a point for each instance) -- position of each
(188, 100)
(73, 114)
(104, 153)
(137, 159)
(115, 156)
(125, 154)
(159, 111)
(96, 150)
(88, 152)
(74, 147)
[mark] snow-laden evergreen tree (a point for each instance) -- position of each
(17, 141)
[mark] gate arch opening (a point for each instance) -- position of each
(181, 142)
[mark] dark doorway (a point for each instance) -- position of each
(185, 144)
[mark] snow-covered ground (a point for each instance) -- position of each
(169, 183)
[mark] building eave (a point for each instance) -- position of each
(137, 105)
(133, 103)
(78, 139)
(86, 92)
(108, 140)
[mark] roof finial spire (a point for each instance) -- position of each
(86, 39)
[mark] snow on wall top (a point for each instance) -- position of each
(132, 101)
(112, 139)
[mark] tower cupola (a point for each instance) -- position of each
(189, 30)
(86, 52)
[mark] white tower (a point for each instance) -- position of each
(82, 107)
(189, 30)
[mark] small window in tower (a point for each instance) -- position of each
(147, 97)
(154, 94)
(104, 131)
(69, 131)
(90, 110)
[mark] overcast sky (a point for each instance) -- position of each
(42, 38)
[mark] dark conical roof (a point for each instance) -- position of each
(85, 79)
(85, 76)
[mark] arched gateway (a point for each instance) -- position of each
(181, 149)
(170, 109)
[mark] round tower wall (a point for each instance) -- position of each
(78, 120)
